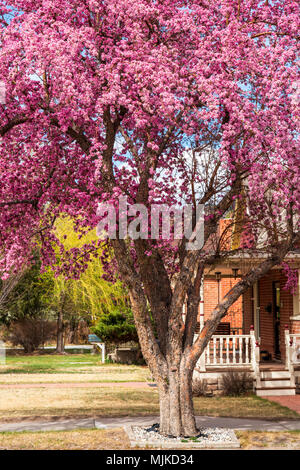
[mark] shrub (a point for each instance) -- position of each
(30, 333)
(116, 327)
(236, 384)
(199, 388)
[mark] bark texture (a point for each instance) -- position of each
(60, 348)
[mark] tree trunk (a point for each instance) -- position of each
(186, 400)
(176, 404)
(60, 333)
(73, 331)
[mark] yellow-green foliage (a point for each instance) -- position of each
(90, 294)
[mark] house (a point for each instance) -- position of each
(261, 331)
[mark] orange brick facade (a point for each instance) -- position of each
(235, 313)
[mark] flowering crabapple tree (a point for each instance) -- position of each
(164, 102)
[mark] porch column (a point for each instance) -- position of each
(256, 311)
(255, 357)
(295, 318)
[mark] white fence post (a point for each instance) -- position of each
(2, 353)
(255, 356)
(289, 350)
(102, 347)
(295, 351)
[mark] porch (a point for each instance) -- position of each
(242, 353)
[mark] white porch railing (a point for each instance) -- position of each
(295, 348)
(231, 350)
(292, 353)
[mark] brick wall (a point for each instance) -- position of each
(235, 313)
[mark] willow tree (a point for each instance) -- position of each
(89, 295)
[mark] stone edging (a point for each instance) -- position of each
(234, 444)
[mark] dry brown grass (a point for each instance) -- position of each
(116, 401)
(242, 407)
(264, 440)
(116, 439)
(69, 440)
(102, 401)
(104, 374)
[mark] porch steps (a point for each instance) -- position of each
(275, 383)
(275, 374)
(272, 392)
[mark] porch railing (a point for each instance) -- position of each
(292, 354)
(231, 350)
(295, 348)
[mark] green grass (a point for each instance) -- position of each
(49, 363)
(51, 368)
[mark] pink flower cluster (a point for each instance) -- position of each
(105, 98)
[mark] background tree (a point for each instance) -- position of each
(26, 299)
(112, 98)
(88, 296)
(25, 312)
(40, 297)
(116, 327)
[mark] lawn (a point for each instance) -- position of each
(52, 368)
(116, 439)
(264, 440)
(35, 398)
(62, 440)
(104, 400)
(50, 363)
